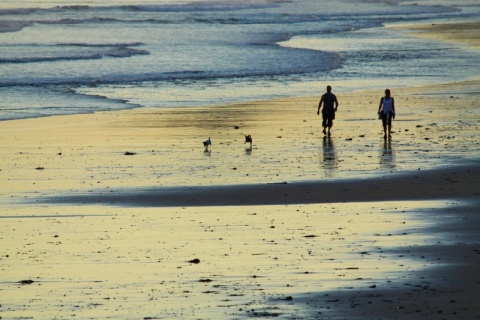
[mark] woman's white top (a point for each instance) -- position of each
(387, 105)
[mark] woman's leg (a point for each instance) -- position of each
(384, 123)
(390, 125)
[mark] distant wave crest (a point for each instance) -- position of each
(120, 50)
(187, 7)
(18, 25)
(13, 26)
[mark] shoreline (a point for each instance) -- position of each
(460, 33)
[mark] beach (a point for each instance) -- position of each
(124, 214)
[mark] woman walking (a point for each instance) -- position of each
(386, 111)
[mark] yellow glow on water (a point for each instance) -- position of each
(124, 262)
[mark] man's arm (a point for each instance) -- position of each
(319, 106)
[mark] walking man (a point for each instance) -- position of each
(330, 106)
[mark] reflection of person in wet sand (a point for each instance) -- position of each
(386, 111)
(387, 157)
(328, 112)
(329, 155)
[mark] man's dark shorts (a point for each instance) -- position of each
(328, 117)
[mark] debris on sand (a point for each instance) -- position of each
(196, 261)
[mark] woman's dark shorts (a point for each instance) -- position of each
(386, 118)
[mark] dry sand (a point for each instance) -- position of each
(105, 213)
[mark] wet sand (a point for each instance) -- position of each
(124, 215)
(380, 260)
(454, 181)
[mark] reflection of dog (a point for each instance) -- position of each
(207, 143)
(248, 139)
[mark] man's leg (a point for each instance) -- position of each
(330, 124)
(324, 123)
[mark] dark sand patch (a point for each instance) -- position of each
(454, 182)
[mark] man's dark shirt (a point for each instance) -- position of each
(328, 103)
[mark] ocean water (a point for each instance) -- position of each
(65, 57)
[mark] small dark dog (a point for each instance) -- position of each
(248, 139)
(207, 143)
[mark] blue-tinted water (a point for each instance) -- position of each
(59, 58)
